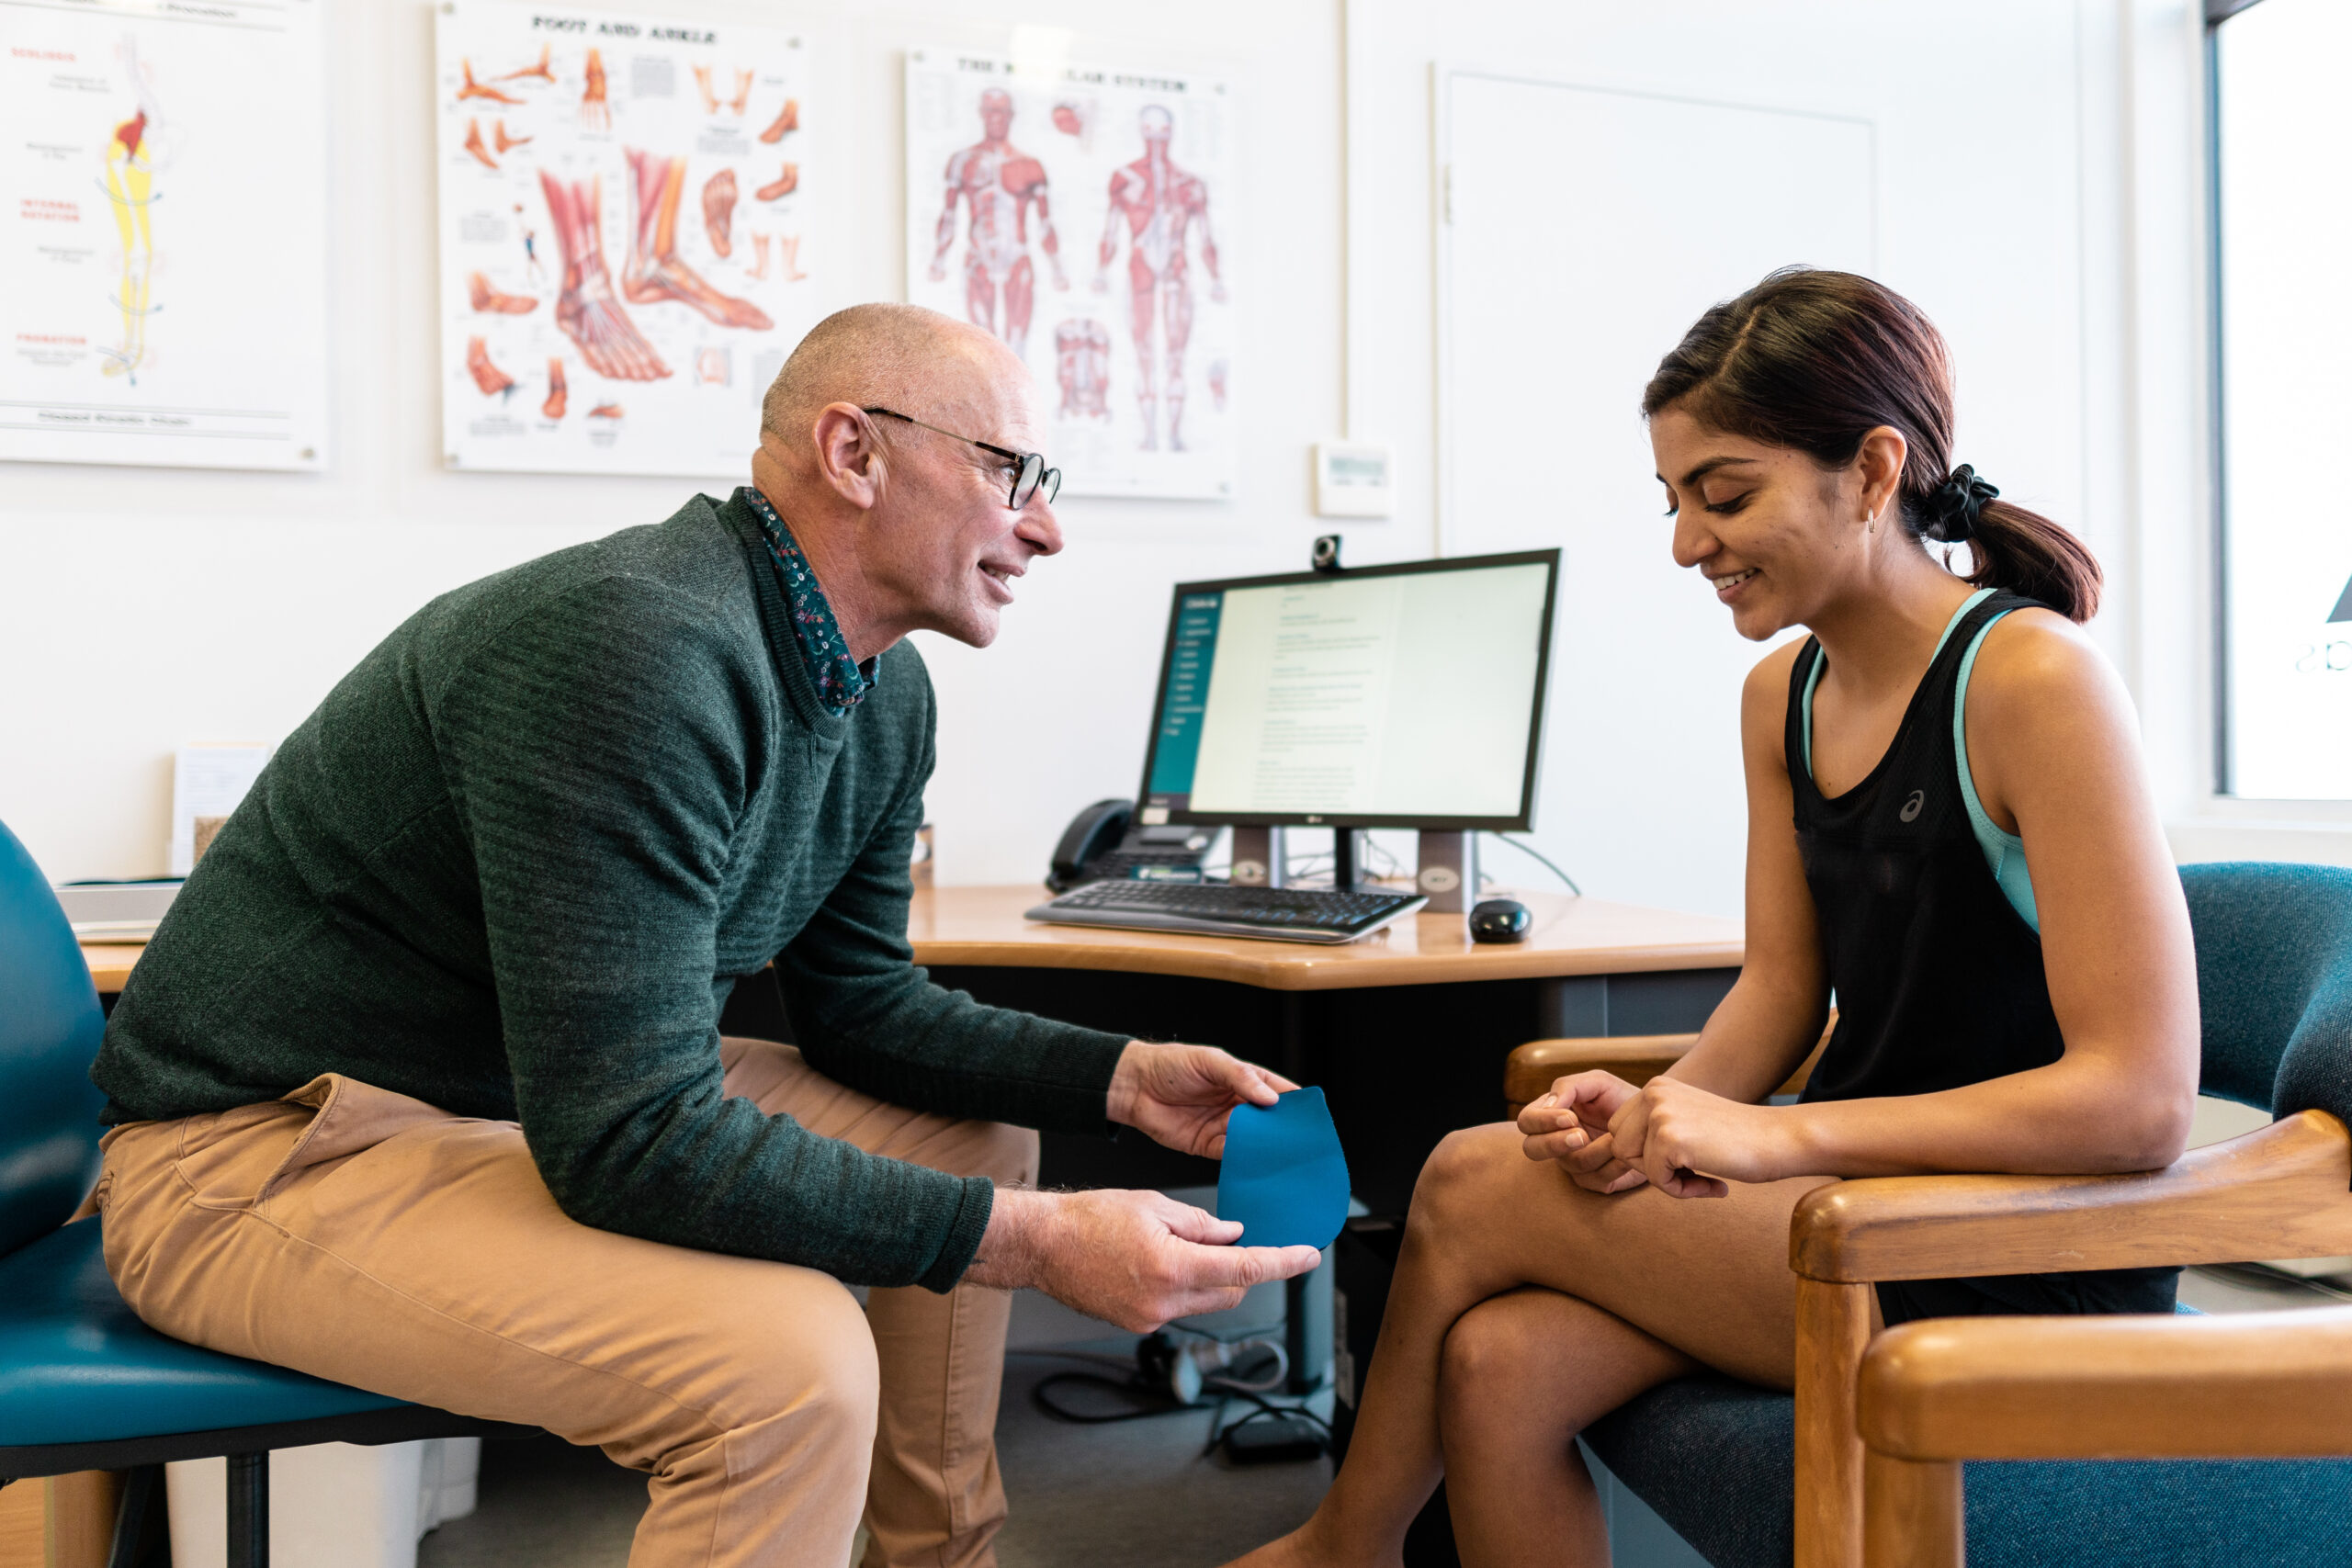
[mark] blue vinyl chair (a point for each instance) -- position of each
(1713, 1457)
(84, 1384)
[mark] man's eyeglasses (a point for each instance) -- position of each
(1030, 475)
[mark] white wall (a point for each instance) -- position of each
(2037, 192)
(148, 607)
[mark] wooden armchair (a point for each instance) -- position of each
(2266, 1385)
(1713, 1457)
(2283, 1191)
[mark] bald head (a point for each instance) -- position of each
(907, 526)
(897, 356)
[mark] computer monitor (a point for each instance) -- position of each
(1385, 696)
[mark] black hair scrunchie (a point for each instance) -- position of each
(1952, 507)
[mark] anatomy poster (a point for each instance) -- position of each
(625, 260)
(162, 242)
(1081, 214)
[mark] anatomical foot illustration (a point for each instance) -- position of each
(544, 70)
(473, 89)
(493, 381)
(654, 272)
(487, 298)
(719, 212)
(475, 145)
(788, 250)
(743, 99)
(605, 411)
(558, 394)
(759, 255)
(594, 112)
(586, 310)
(702, 90)
(787, 118)
(784, 184)
(506, 143)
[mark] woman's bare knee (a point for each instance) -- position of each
(1464, 1171)
(1499, 1343)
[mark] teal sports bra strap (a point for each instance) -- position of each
(2004, 853)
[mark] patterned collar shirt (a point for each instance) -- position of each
(842, 682)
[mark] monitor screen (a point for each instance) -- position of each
(1381, 696)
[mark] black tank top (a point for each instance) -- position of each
(1938, 980)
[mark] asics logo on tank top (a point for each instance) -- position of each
(1913, 807)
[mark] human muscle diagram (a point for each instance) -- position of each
(144, 167)
(618, 223)
(1008, 172)
(993, 191)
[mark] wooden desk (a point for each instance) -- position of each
(111, 963)
(982, 927)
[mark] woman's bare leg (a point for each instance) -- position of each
(1520, 1375)
(1709, 1277)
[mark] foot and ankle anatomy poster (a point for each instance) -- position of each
(624, 260)
(1083, 215)
(162, 242)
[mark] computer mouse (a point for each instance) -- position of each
(1499, 919)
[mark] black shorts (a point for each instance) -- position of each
(2081, 1293)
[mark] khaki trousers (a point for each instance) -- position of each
(368, 1237)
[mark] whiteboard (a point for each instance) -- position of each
(1581, 231)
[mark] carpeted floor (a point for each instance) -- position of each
(1136, 1493)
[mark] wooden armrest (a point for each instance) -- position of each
(2284, 1191)
(2272, 1384)
(1637, 1059)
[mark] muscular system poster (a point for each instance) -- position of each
(625, 260)
(1083, 215)
(162, 242)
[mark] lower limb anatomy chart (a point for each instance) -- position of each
(620, 189)
(655, 273)
(146, 164)
(131, 186)
(586, 310)
(1148, 152)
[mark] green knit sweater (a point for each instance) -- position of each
(516, 861)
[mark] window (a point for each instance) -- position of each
(2282, 215)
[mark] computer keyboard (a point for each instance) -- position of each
(1220, 908)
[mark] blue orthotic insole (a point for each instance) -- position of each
(1284, 1177)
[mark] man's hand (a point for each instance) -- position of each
(1573, 1125)
(1132, 1258)
(1181, 1095)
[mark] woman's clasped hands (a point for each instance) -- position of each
(1612, 1137)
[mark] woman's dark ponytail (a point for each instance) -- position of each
(2026, 553)
(1815, 361)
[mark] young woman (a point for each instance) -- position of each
(1949, 829)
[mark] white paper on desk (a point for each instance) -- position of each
(208, 781)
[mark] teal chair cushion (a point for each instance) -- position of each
(2155, 1514)
(2274, 983)
(77, 1366)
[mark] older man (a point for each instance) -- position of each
(419, 1087)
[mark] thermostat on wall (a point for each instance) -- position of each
(1351, 479)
